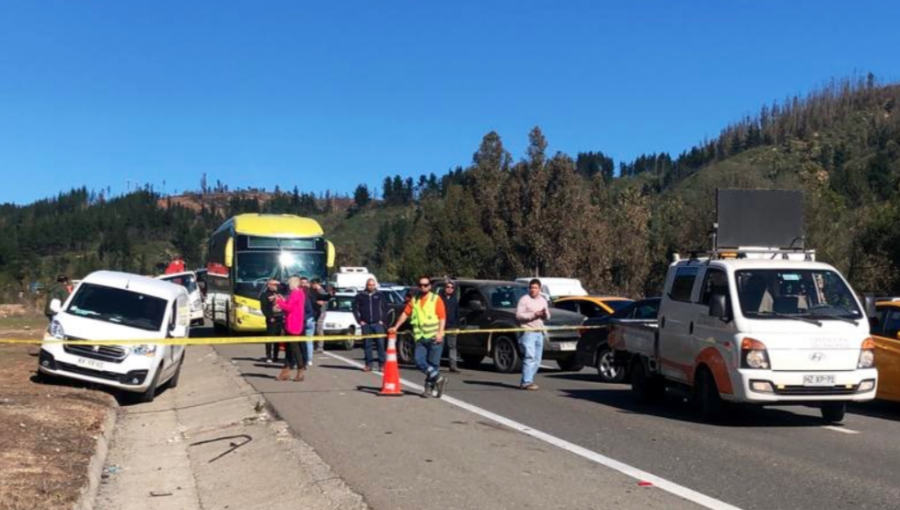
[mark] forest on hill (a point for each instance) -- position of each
(613, 226)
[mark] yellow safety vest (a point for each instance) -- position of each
(425, 321)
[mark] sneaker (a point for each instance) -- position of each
(426, 393)
(530, 387)
(439, 386)
(367, 368)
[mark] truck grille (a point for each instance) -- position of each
(108, 353)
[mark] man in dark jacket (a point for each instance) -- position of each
(451, 305)
(59, 292)
(370, 310)
(274, 318)
(322, 297)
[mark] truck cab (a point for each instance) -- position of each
(765, 328)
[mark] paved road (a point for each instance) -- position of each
(757, 459)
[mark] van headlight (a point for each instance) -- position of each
(56, 331)
(754, 354)
(252, 311)
(867, 354)
(148, 350)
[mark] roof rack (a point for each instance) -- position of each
(748, 253)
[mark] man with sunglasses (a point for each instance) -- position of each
(428, 317)
(451, 305)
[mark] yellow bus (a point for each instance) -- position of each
(248, 250)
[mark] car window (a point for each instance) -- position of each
(592, 310)
(341, 304)
(470, 294)
(507, 296)
(892, 324)
(715, 282)
(625, 313)
(571, 306)
(683, 284)
(647, 311)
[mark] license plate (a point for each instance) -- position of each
(818, 380)
(89, 363)
(568, 346)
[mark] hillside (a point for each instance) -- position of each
(547, 214)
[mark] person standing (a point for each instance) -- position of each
(58, 292)
(451, 305)
(319, 305)
(370, 311)
(428, 317)
(531, 311)
(310, 319)
(274, 318)
(294, 323)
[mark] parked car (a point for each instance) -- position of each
(487, 304)
(593, 346)
(339, 319)
(886, 332)
(110, 305)
(188, 280)
(352, 278)
(593, 307)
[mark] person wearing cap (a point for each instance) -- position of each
(60, 292)
(428, 317)
(274, 317)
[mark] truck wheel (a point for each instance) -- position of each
(833, 412)
(706, 396)
(406, 350)
(471, 360)
(570, 364)
(506, 355)
(608, 371)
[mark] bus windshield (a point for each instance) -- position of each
(253, 269)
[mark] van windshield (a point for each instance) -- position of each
(118, 306)
(813, 294)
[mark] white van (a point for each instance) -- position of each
(110, 305)
(553, 288)
(767, 327)
(352, 278)
(188, 280)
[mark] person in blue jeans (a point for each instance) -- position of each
(531, 311)
(309, 328)
(370, 310)
(428, 317)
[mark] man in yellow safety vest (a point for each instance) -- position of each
(428, 318)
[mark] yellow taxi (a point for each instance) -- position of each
(592, 306)
(886, 332)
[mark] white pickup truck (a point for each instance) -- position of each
(754, 327)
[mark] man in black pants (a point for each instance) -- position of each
(274, 318)
(370, 310)
(451, 305)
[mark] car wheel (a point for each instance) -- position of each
(173, 382)
(706, 396)
(147, 396)
(348, 345)
(608, 371)
(833, 412)
(506, 355)
(570, 364)
(471, 360)
(406, 349)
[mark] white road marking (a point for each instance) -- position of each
(642, 476)
(840, 429)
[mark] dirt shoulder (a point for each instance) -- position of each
(48, 433)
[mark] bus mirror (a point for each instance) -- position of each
(229, 253)
(329, 257)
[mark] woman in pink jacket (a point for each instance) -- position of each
(294, 324)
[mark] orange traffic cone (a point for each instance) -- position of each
(390, 385)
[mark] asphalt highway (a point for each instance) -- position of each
(772, 458)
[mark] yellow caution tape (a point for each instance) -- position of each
(276, 339)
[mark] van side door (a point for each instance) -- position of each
(887, 352)
(676, 323)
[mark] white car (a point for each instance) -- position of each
(111, 305)
(354, 278)
(188, 280)
(553, 288)
(339, 319)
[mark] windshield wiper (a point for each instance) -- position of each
(795, 317)
(839, 318)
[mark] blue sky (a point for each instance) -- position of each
(329, 94)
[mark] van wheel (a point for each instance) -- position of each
(833, 412)
(173, 382)
(706, 396)
(608, 371)
(644, 387)
(406, 350)
(147, 396)
(570, 364)
(506, 355)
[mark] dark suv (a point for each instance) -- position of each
(491, 305)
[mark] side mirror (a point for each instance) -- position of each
(718, 306)
(871, 311)
(329, 256)
(229, 253)
(476, 306)
(55, 306)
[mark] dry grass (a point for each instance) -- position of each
(47, 432)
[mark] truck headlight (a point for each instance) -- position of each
(252, 311)
(148, 350)
(867, 354)
(56, 331)
(754, 354)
